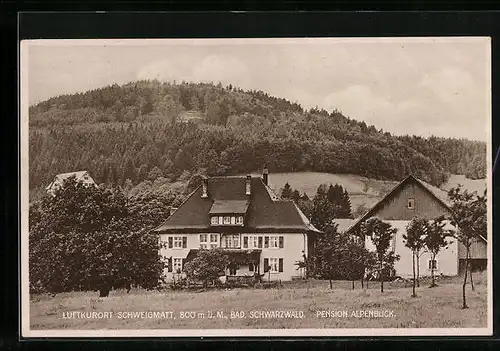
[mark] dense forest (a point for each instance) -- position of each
(142, 131)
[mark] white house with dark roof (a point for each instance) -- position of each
(262, 235)
(80, 176)
(413, 198)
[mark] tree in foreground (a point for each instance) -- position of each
(328, 254)
(339, 256)
(435, 241)
(415, 240)
(207, 266)
(323, 211)
(381, 234)
(84, 238)
(469, 215)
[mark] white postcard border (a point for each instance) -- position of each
(24, 301)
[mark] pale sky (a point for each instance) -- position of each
(438, 86)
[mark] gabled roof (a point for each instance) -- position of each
(343, 224)
(264, 212)
(435, 192)
(79, 175)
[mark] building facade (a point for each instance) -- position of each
(262, 235)
(80, 176)
(413, 198)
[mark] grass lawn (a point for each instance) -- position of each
(438, 307)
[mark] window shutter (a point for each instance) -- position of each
(260, 242)
(245, 242)
(170, 242)
(281, 242)
(280, 265)
(266, 265)
(266, 242)
(184, 242)
(250, 267)
(170, 264)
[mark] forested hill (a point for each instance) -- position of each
(147, 129)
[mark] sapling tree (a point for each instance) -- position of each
(469, 214)
(414, 239)
(381, 234)
(435, 241)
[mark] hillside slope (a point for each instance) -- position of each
(145, 130)
(364, 192)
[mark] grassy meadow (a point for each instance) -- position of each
(438, 307)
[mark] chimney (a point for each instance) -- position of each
(248, 185)
(204, 188)
(265, 175)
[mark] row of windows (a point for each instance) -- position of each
(226, 220)
(209, 241)
(271, 264)
(232, 241)
(267, 242)
(177, 242)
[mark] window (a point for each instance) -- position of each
(177, 242)
(245, 242)
(255, 241)
(232, 241)
(273, 265)
(411, 203)
(203, 241)
(177, 263)
(226, 220)
(214, 238)
(273, 242)
(433, 265)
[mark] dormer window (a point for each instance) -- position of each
(226, 220)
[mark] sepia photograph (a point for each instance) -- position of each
(256, 187)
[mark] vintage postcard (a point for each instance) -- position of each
(256, 187)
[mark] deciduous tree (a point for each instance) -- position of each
(435, 241)
(414, 239)
(381, 235)
(469, 214)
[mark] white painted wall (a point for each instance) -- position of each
(447, 258)
(295, 245)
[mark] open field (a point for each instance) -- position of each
(439, 307)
